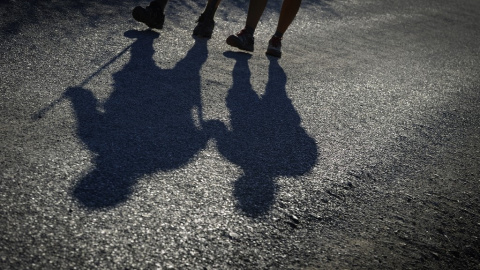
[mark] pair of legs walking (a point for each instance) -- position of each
(244, 39)
(153, 16)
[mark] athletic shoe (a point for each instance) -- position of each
(275, 47)
(152, 15)
(204, 27)
(242, 40)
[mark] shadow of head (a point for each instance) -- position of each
(255, 194)
(102, 190)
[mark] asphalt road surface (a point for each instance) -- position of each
(126, 148)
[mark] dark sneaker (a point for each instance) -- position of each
(204, 27)
(152, 15)
(275, 47)
(242, 40)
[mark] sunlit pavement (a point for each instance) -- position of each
(127, 148)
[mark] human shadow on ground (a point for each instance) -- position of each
(148, 123)
(265, 139)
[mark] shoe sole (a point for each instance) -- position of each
(202, 34)
(274, 53)
(204, 30)
(234, 42)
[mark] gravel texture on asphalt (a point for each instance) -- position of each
(127, 148)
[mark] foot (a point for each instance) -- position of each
(275, 47)
(242, 40)
(153, 15)
(204, 27)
